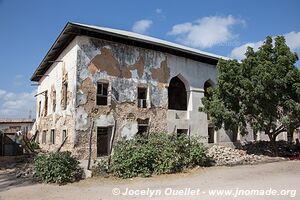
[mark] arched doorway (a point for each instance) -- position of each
(177, 95)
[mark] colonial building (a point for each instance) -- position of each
(111, 83)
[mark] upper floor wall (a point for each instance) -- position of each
(127, 67)
(57, 88)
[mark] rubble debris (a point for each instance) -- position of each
(18, 166)
(229, 157)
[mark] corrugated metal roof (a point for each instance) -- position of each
(71, 30)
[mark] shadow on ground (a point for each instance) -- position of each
(15, 171)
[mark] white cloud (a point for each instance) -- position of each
(141, 26)
(238, 52)
(292, 40)
(206, 32)
(16, 105)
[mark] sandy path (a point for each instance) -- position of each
(278, 176)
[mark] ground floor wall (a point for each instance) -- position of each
(123, 122)
(52, 130)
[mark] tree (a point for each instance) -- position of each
(261, 91)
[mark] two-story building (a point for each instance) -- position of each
(113, 83)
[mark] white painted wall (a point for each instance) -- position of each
(60, 119)
(54, 77)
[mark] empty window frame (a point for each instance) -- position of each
(52, 136)
(39, 108)
(177, 94)
(64, 135)
(142, 97)
(46, 104)
(181, 132)
(102, 91)
(65, 93)
(143, 125)
(103, 141)
(54, 102)
(211, 135)
(44, 136)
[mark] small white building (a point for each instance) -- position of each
(115, 83)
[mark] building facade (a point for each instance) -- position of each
(107, 84)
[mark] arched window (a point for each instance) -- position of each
(207, 85)
(177, 94)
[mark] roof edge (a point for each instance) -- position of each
(65, 37)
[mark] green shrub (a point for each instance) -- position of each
(35, 145)
(158, 154)
(101, 168)
(57, 167)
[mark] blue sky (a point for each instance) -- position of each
(28, 29)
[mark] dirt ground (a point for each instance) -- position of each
(200, 183)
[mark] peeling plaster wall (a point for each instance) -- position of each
(126, 67)
(59, 118)
(87, 61)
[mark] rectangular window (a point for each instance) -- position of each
(54, 102)
(103, 141)
(142, 97)
(102, 91)
(211, 135)
(52, 136)
(44, 134)
(65, 93)
(64, 135)
(39, 108)
(143, 125)
(181, 132)
(46, 103)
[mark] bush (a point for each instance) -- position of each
(57, 167)
(101, 168)
(158, 154)
(35, 145)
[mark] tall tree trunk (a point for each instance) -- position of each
(272, 138)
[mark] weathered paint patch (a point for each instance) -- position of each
(82, 119)
(106, 62)
(129, 129)
(92, 68)
(139, 66)
(161, 74)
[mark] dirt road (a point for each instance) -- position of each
(280, 180)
